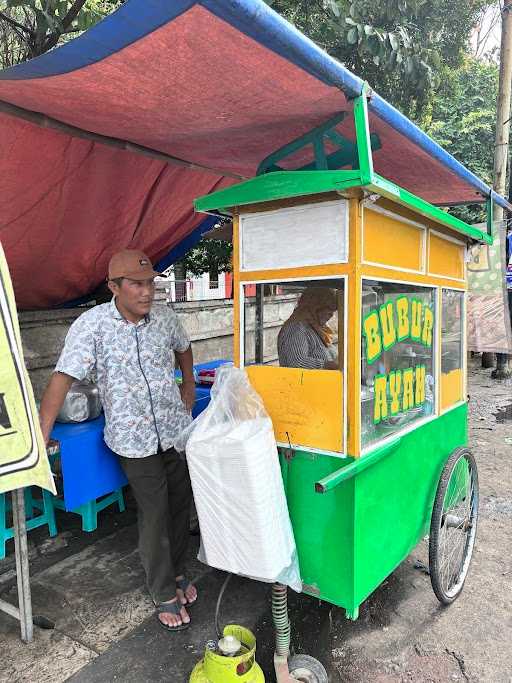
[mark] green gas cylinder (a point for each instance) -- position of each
(233, 661)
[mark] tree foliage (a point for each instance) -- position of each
(403, 48)
(462, 119)
(29, 28)
(209, 256)
(463, 113)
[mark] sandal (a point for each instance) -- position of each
(182, 585)
(171, 608)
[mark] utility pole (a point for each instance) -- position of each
(503, 106)
(502, 140)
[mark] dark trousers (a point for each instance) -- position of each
(162, 490)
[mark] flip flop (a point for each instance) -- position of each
(183, 584)
(171, 608)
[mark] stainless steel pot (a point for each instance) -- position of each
(82, 403)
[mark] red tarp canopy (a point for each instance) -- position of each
(218, 84)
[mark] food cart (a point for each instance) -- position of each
(374, 453)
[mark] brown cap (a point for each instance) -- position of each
(131, 263)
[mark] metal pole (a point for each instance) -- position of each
(22, 566)
(258, 340)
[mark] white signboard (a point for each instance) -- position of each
(307, 235)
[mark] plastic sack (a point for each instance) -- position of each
(238, 488)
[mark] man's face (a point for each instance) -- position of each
(136, 296)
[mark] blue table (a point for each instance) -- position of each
(89, 468)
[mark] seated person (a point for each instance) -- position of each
(305, 340)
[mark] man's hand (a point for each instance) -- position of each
(188, 394)
(45, 429)
(188, 387)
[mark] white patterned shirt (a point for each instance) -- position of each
(133, 366)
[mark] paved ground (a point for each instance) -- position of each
(91, 587)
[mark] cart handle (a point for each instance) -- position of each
(335, 478)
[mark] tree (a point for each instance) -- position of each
(462, 119)
(209, 256)
(29, 28)
(403, 48)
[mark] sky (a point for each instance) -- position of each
(486, 37)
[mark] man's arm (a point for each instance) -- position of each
(188, 386)
(52, 401)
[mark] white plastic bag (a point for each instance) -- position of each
(238, 488)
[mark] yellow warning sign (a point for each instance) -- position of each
(23, 459)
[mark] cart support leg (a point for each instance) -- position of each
(352, 614)
(282, 670)
(282, 628)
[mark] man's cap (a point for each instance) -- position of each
(131, 263)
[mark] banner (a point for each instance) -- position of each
(23, 459)
(488, 314)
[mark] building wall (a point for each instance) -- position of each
(196, 288)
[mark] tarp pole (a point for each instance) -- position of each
(54, 124)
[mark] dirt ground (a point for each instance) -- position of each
(91, 586)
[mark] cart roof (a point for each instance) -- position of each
(279, 185)
(218, 85)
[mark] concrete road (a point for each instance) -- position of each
(92, 587)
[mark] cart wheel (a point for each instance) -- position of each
(307, 669)
(453, 525)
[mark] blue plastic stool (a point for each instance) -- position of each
(89, 511)
(44, 505)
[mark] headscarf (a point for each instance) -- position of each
(311, 302)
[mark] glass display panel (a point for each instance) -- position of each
(398, 351)
(294, 324)
(452, 347)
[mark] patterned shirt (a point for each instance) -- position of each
(299, 346)
(133, 366)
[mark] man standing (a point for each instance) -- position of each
(130, 348)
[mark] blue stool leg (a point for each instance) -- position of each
(89, 516)
(120, 500)
(3, 525)
(49, 512)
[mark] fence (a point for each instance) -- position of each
(193, 289)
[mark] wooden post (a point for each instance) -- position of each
(24, 613)
(503, 106)
(502, 144)
(22, 565)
